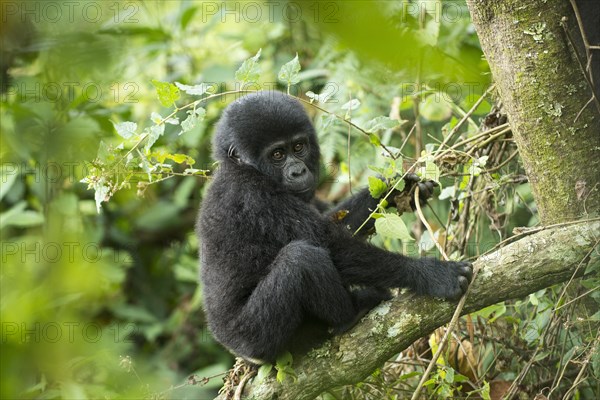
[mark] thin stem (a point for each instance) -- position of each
(466, 116)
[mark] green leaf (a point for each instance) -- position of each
(351, 105)
(195, 116)
(27, 218)
(8, 176)
(280, 376)
(156, 131)
(263, 372)
(447, 193)
(374, 139)
(195, 90)
(391, 225)
(178, 158)
(194, 171)
(158, 119)
(167, 92)
(497, 309)
(426, 242)
(379, 123)
(250, 70)
(187, 16)
(399, 186)
(474, 169)
(284, 359)
(377, 187)
(288, 73)
(146, 166)
(101, 193)
(126, 129)
(430, 171)
(18, 216)
(409, 375)
(320, 98)
(105, 154)
(5, 217)
(379, 170)
(435, 108)
(485, 392)
(533, 299)
(327, 120)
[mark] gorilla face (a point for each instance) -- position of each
(271, 132)
(285, 161)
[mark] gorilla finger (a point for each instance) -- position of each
(464, 283)
(412, 177)
(430, 185)
(424, 191)
(466, 270)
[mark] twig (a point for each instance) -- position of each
(424, 221)
(586, 43)
(497, 167)
(585, 363)
(443, 342)
(498, 128)
(240, 388)
(407, 136)
(384, 198)
(466, 116)
(580, 296)
(358, 128)
(535, 230)
(581, 66)
(513, 387)
(455, 316)
(348, 147)
(177, 109)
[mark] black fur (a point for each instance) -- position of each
(272, 263)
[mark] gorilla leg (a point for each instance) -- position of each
(302, 282)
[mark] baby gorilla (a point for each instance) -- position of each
(273, 260)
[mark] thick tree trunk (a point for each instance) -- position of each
(530, 264)
(547, 98)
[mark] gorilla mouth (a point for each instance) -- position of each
(308, 189)
(304, 186)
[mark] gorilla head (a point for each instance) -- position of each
(270, 132)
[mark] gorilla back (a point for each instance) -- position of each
(271, 262)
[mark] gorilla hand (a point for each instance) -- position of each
(405, 200)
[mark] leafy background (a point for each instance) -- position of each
(106, 304)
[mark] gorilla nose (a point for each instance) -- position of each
(298, 172)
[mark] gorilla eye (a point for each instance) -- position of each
(278, 155)
(298, 147)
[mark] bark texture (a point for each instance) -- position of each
(547, 98)
(525, 266)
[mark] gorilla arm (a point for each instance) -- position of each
(354, 211)
(361, 263)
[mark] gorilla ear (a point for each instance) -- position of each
(233, 154)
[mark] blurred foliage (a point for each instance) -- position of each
(106, 304)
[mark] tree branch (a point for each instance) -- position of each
(532, 263)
